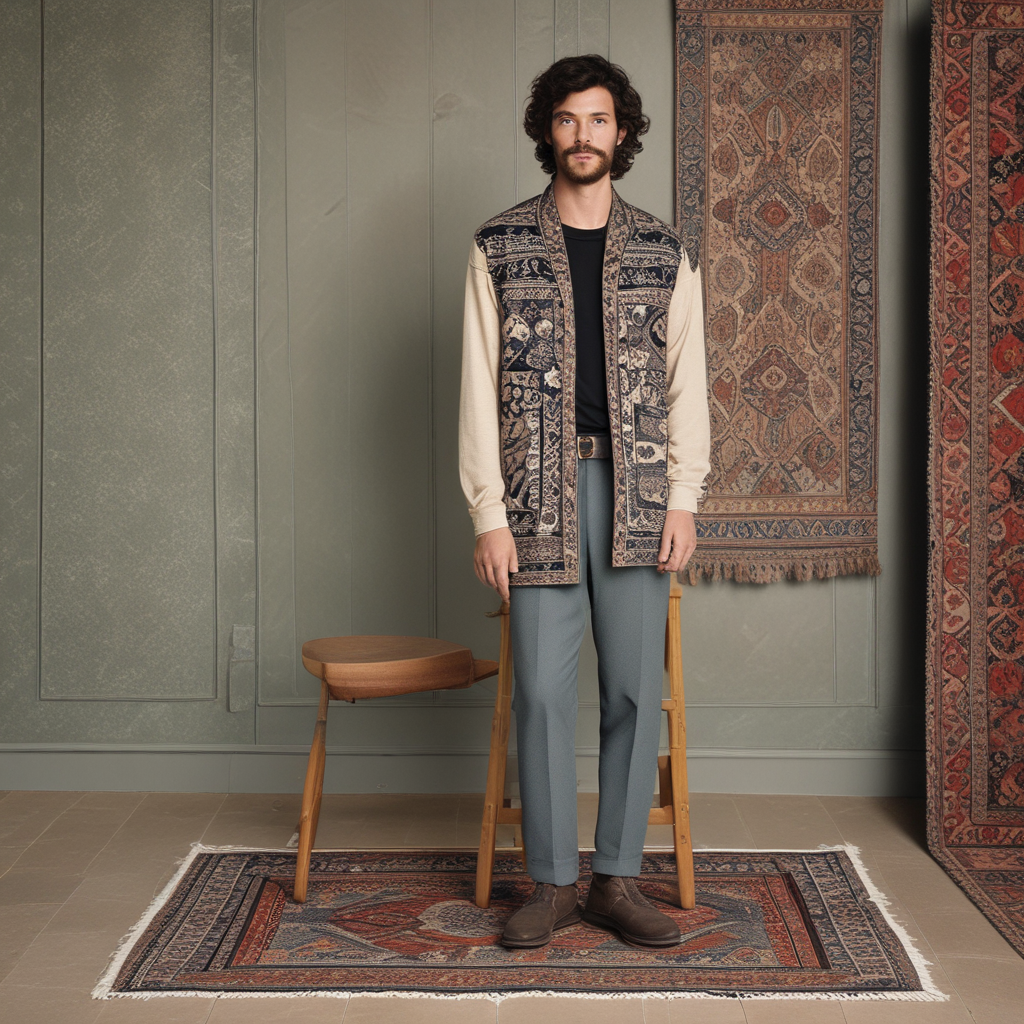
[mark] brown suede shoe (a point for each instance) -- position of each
(616, 903)
(549, 908)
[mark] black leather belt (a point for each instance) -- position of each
(593, 446)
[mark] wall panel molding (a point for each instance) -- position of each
(147, 546)
(20, 324)
(137, 111)
(127, 605)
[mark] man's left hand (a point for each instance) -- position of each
(678, 540)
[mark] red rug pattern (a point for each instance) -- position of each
(976, 669)
(400, 921)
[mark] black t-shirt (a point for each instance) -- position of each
(585, 248)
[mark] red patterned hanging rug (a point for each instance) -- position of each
(976, 582)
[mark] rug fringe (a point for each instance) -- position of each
(930, 991)
(921, 963)
(754, 569)
(124, 947)
(500, 997)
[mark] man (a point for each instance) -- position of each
(583, 447)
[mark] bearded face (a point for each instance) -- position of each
(581, 171)
(584, 134)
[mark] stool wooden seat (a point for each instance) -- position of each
(352, 668)
(674, 806)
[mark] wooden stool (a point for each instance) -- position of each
(356, 667)
(674, 806)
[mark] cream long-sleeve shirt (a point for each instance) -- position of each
(689, 428)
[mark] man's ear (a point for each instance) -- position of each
(622, 135)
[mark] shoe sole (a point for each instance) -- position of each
(573, 917)
(600, 921)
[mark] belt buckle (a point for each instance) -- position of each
(585, 446)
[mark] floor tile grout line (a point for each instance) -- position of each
(835, 824)
(81, 797)
(10, 969)
(60, 813)
(69, 896)
(838, 828)
(213, 817)
(113, 834)
(979, 956)
(16, 859)
(770, 796)
(927, 950)
(746, 827)
(743, 821)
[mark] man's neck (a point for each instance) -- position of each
(583, 206)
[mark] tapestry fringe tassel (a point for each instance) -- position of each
(761, 570)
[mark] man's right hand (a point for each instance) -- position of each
(494, 558)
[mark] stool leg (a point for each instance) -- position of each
(312, 794)
(495, 792)
(677, 755)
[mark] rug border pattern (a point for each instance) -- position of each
(929, 992)
(956, 756)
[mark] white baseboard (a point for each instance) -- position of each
(84, 767)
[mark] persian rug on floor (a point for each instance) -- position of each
(766, 924)
(975, 739)
(776, 193)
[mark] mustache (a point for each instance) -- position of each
(581, 147)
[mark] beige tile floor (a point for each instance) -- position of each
(78, 869)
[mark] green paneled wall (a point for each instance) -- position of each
(128, 509)
(234, 240)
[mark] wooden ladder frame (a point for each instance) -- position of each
(674, 796)
(312, 793)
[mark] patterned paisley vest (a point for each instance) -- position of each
(527, 261)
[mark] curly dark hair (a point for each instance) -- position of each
(576, 74)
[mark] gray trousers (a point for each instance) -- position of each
(628, 606)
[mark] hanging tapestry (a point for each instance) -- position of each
(776, 161)
(975, 739)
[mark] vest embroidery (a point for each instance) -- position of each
(529, 266)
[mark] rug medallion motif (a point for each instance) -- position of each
(776, 161)
(405, 921)
(976, 666)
